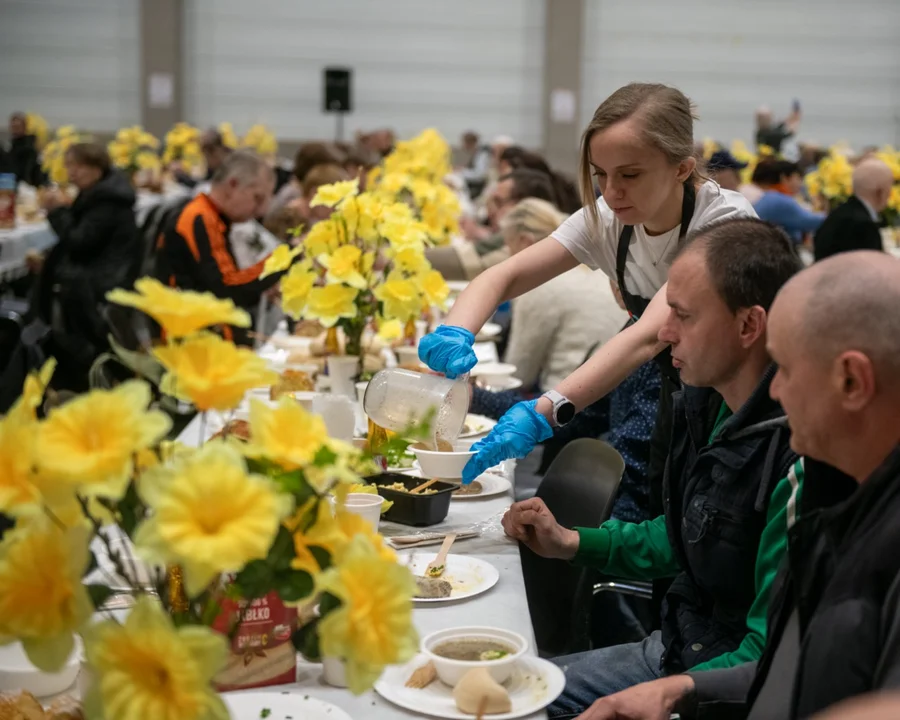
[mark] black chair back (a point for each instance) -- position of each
(579, 488)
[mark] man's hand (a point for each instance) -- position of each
(55, 198)
(648, 701)
(531, 523)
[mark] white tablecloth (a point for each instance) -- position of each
(15, 244)
(504, 606)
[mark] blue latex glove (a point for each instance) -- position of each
(448, 350)
(519, 430)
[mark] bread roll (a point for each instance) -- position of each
(477, 687)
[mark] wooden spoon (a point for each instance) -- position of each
(436, 567)
(424, 486)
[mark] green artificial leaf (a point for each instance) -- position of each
(294, 585)
(255, 580)
(131, 510)
(282, 551)
(99, 594)
(325, 457)
(306, 641)
(327, 603)
(322, 556)
(296, 484)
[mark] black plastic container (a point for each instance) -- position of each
(416, 510)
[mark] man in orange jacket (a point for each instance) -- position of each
(194, 251)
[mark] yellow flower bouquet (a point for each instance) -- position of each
(182, 145)
(53, 156)
(365, 262)
(266, 512)
(134, 149)
(832, 180)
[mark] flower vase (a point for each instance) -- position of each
(334, 672)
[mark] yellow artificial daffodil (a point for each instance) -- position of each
(369, 210)
(89, 443)
(295, 288)
(323, 533)
(434, 288)
(398, 212)
(411, 260)
(394, 183)
(389, 330)
(400, 297)
(331, 303)
(208, 514)
(42, 598)
(332, 195)
(280, 260)
(36, 126)
(373, 626)
(261, 139)
(404, 234)
(210, 372)
(287, 434)
(147, 668)
(148, 161)
(343, 266)
(229, 137)
(324, 237)
(179, 312)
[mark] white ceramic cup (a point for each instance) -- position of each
(367, 506)
(407, 355)
(339, 414)
(342, 371)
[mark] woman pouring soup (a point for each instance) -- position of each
(639, 146)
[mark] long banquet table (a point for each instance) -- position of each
(503, 606)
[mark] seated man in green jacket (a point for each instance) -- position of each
(723, 534)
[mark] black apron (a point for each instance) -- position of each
(659, 441)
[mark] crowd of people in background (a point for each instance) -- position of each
(662, 296)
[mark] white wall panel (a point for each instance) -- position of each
(73, 61)
(841, 59)
(452, 64)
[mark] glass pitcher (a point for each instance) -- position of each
(397, 398)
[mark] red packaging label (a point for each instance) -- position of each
(261, 652)
(7, 209)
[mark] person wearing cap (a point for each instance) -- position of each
(724, 168)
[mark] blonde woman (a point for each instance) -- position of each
(640, 148)
(556, 324)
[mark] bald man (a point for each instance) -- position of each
(834, 620)
(855, 224)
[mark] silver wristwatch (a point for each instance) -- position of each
(563, 408)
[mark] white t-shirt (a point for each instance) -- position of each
(649, 256)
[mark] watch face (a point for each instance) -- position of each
(565, 413)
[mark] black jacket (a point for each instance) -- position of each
(98, 238)
(847, 227)
(842, 579)
(23, 161)
(716, 496)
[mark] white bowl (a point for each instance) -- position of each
(450, 672)
(407, 355)
(292, 342)
(17, 672)
(492, 373)
(444, 465)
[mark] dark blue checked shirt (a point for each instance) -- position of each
(624, 418)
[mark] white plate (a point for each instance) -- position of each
(501, 382)
(469, 576)
(478, 425)
(534, 685)
(491, 485)
(249, 706)
(492, 368)
(490, 330)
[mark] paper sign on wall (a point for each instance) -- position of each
(562, 105)
(161, 90)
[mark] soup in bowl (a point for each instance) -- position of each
(457, 650)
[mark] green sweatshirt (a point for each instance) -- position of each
(643, 552)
